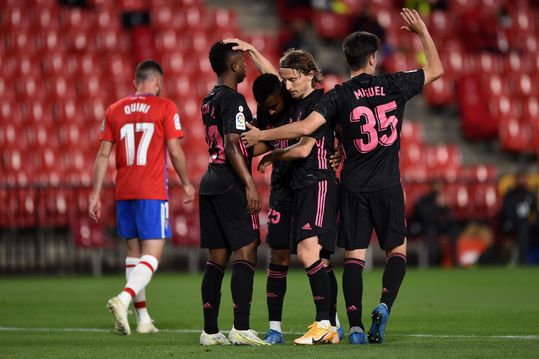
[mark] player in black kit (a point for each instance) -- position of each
(368, 111)
(229, 201)
(315, 195)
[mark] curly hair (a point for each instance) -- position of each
(219, 56)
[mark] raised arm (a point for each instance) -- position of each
(177, 157)
(100, 170)
(413, 23)
(287, 132)
(234, 154)
(263, 65)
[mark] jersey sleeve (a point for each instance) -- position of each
(328, 107)
(172, 126)
(235, 114)
(106, 133)
(408, 83)
(320, 132)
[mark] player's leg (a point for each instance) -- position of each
(126, 226)
(309, 255)
(355, 230)
(388, 214)
(212, 238)
(144, 321)
(333, 292)
(242, 235)
(275, 292)
(278, 239)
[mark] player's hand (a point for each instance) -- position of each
(251, 137)
(94, 208)
(241, 45)
(264, 162)
(254, 203)
(412, 21)
(336, 158)
(189, 193)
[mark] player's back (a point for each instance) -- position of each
(224, 111)
(140, 125)
(368, 111)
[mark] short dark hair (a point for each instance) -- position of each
(146, 69)
(264, 86)
(219, 56)
(303, 62)
(357, 48)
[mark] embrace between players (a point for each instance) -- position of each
(296, 129)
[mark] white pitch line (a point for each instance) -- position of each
(190, 331)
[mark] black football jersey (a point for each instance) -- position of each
(316, 166)
(367, 112)
(224, 111)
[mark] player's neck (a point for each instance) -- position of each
(307, 93)
(368, 71)
(143, 90)
(227, 81)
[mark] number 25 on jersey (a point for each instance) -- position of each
(371, 136)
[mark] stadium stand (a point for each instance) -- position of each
(63, 62)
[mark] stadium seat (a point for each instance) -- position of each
(477, 121)
(486, 201)
(459, 199)
(440, 92)
(481, 173)
(412, 193)
(329, 25)
(516, 136)
(331, 80)
(411, 132)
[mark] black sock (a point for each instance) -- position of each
(392, 278)
(352, 285)
(275, 290)
(319, 280)
(241, 286)
(211, 295)
(333, 289)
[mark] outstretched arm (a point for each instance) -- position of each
(302, 149)
(287, 132)
(100, 170)
(263, 65)
(413, 23)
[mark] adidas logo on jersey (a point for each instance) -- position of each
(307, 227)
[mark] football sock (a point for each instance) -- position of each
(140, 299)
(275, 291)
(333, 289)
(352, 285)
(319, 281)
(275, 325)
(211, 295)
(242, 291)
(138, 278)
(393, 276)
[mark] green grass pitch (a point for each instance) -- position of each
(476, 313)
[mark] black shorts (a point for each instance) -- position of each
(315, 214)
(225, 222)
(279, 224)
(361, 212)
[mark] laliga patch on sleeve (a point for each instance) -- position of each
(177, 123)
(240, 121)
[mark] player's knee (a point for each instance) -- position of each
(398, 250)
(150, 261)
(280, 257)
(247, 253)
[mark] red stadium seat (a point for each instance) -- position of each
(76, 19)
(331, 80)
(88, 234)
(516, 136)
(80, 40)
(486, 200)
(329, 25)
(440, 92)
(106, 19)
(221, 19)
(481, 174)
(412, 193)
(411, 132)
(61, 87)
(526, 85)
(51, 42)
(459, 199)
(10, 134)
(112, 41)
(477, 121)
(47, 17)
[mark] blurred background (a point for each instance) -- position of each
(469, 141)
